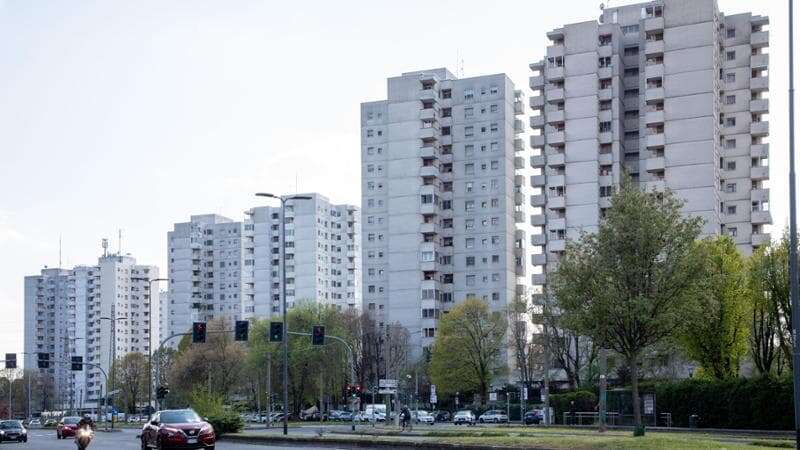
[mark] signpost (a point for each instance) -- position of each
(492, 396)
(433, 394)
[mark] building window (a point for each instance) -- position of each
(604, 127)
(493, 108)
(469, 169)
(470, 261)
(446, 93)
(493, 90)
(469, 150)
(730, 33)
(447, 112)
(730, 188)
(730, 77)
(631, 51)
(730, 55)
(469, 94)
(730, 121)
(730, 99)
(469, 131)
(469, 111)
(730, 143)
(730, 165)
(470, 280)
(606, 191)
(730, 210)
(630, 29)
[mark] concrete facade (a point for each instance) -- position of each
(671, 93)
(221, 268)
(443, 205)
(63, 310)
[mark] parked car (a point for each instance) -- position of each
(345, 416)
(464, 417)
(181, 428)
(13, 430)
(534, 416)
(35, 423)
(67, 426)
(493, 416)
(50, 423)
(442, 416)
(422, 417)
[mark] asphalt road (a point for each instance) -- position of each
(39, 439)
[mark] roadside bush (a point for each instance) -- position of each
(212, 407)
(561, 403)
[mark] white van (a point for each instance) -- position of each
(375, 412)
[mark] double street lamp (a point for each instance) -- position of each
(113, 342)
(150, 346)
(285, 337)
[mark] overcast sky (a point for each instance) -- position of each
(134, 115)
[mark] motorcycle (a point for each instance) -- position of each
(83, 437)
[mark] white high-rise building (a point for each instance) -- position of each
(221, 268)
(443, 198)
(68, 312)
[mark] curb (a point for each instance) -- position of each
(361, 443)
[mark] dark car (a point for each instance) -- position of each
(67, 426)
(178, 429)
(533, 417)
(442, 416)
(13, 430)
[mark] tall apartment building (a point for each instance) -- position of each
(67, 314)
(219, 267)
(671, 93)
(443, 198)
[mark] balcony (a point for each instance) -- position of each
(605, 94)
(759, 151)
(654, 48)
(429, 171)
(536, 101)
(605, 159)
(654, 164)
(536, 82)
(555, 50)
(519, 145)
(537, 141)
(655, 140)
(429, 228)
(538, 180)
(428, 133)
(654, 117)
(605, 50)
(759, 239)
(538, 200)
(555, 138)
(654, 71)
(538, 279)
(557, 245)
(760, 83)
(653, 24)
(604, 73)
(538, 219)
(760, 217)
(427, 151)
(519, 162)
(556, 116)
(759, 173)
(537, 161)
(759, 195)
(519, 217)
(759, 39)
(556, 159)
(556, 202)
(539, 259)
(555, 180)
(555, 95)
(605, 137)
(759, 128)
(427, 114)
(760, 105)
(428, 95)
(759, 61)
(428, 266)
(427, 208)
(557, 224)
(654, 94)
(554, 73)
(538, 239)
(604, 202)
(519, 107)
(519, 198)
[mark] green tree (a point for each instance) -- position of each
(628, 285)
(467, 351)
(716, 330)
(130, 373)
(770, 286)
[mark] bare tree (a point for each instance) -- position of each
(132, 378)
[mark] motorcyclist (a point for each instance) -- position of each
(85, 432)
(405, 417)
(86, 421)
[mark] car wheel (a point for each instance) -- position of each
(210, 447)
(480, 420)
(144, 445)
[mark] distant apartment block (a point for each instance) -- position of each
(671, 93)
(221, 268)
(443, 198)
(68, 312)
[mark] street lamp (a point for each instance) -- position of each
(285, 336)
(150, 346)
(113, 343)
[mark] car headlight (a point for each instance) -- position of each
(207, 428)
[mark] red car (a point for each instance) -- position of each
(67, 426)
(178, 429)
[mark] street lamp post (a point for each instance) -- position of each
(793, 280)
(112, 341)
(285, 336)
(150, 346)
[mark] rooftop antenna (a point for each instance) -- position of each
(119, 250)
(59, 251)
(104, 244)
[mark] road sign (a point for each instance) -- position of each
(433, 398)
(433, 389)
(492, 396)
(649, 404)
(524, 393)
(388, 391)
(389, 384)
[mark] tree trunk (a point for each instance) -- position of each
(634, 369)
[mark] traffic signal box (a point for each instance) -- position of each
(198, 332)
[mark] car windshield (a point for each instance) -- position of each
(9, 424)
(71, 420)
(186, 416)
(463, 413)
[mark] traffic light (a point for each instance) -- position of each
(162, 392)
(276, 331)
(242, 330)
(318, 335)
(43, 361)
(11, 360)
(77, 363)
(198, 332)
(355, 390)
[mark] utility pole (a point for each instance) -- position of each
(602, 407)
(793, 281)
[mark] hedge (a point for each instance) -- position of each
(561, 403)
(758, 403)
